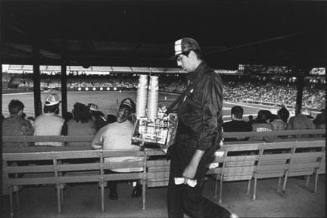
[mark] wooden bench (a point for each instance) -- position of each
(306, 160)
(76, 167)
(124, 169)
(236, 164)
(157, 168)
(273, 162)
(240, 161)
(20, 169)
(63, 167)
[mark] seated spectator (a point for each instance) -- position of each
(320, 120)
(278, 123)
(68, 116)
(300, 121)
(283, 114)
(49, 123)
(118, 135)
(237, 124)
(97, 116)
(262, 124)
(81, 124)
(251, 120)
(111, 118)
(15, 124)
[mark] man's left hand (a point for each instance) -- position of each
(190, 171)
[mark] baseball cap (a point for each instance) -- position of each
(185, 45)
(127, 102)
(52, 99)
(93, 107)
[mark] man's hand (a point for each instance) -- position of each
(190, 169)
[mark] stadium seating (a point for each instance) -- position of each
(58, 166)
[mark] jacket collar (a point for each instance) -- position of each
(198, 72)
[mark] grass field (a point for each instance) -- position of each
(108, 101)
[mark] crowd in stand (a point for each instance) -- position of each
(273, 91)
(265, 121)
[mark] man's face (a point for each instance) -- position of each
(185, 61)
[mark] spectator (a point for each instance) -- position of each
(15, 124)
(283, 114)
(31, 120)
(68, 116)
(320, 120)
(118, 136)
(251, 119)
(237, 124)
(111, 118)
(49, 123)
(81, 124)
(97, 116)
(262, 124)
(278, 123)
(300, 121)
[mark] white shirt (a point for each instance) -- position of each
(117, 136)
(48, 124)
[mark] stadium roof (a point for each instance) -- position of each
(141, 32)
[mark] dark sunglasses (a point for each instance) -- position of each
(186, 53)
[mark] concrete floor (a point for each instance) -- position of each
(83, 200)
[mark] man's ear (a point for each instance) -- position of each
(20, 112)
(192, 54)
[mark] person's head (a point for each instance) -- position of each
(126, 110)
(263, 116)
(95, 112)
(111, 118)
(16, 107)
(81, 113)
(51, 104)
(68, 116)
(283, 114)
(237, 113)
(188, 54)
(93, 107)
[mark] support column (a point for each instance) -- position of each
(299, 93)
(64, 80)
(37, 81)
(300, 75)
(63, 89)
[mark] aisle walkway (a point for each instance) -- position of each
(82, 200)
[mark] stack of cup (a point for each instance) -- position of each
(141, 98)
(153, 98)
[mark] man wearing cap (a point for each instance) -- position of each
(118, 135)
(198, 135)
(49, 123)
(97, 116)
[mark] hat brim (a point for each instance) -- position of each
(52, 103)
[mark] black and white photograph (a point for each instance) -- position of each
(163, 108)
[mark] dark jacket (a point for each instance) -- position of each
(200, 119)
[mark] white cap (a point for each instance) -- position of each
(52, 99)
(93, 107)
